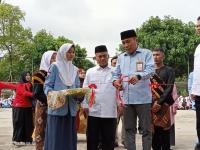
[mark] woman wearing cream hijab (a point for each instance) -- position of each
(61, 122)
(41, 106)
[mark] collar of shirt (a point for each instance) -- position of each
(100, 68)
(138, 50)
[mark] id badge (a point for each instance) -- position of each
(139, 66)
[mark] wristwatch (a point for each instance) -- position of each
(139, 77)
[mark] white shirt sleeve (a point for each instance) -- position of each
(196, 75)
(85, 84)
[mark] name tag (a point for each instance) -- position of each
(139, 66)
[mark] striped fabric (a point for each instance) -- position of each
(39, 77)
(162, 117)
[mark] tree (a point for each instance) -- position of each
(12, 33)
(120, 48)
(61, 40)
(87, 64)
(80, 53)
(178, 39)
(22, 50)
(42, 42)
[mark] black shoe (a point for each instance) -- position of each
(100, 146)
(140, 132)
(123, 143)
(116, 144)
(197, 147)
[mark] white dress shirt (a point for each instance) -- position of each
(105, 105)
(196, 74)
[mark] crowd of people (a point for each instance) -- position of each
(185, 103)
(6, 103)
(137, 88)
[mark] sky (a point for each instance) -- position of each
(95, 22)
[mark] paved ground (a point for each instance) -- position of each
(185, 132)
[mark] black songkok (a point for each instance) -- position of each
(100, 48)
(128, 34)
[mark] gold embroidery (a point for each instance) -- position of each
(38, 79)
(57, 99)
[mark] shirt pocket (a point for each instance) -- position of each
(108, 86)
(98, 82)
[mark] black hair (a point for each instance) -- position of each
(23, 76)
(198, 18)
(158, 50)
(115, 57)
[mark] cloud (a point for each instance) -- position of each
(93, 22)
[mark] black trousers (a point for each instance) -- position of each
(22, 124)
(161, 139)
(197, 105)
(172, 135)
(104, 127)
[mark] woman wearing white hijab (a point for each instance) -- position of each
(61, 122)
(41, 105)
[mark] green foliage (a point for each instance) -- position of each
(182, 86)
(6, 93)
(42, 42)
(178, 39)
(23, 50)
(61, 40)
(120, 48)
(12, 38)
(87, 64)
(4, 71)
(80, 53)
